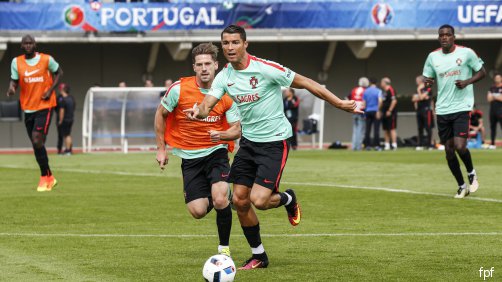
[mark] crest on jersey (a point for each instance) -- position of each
(458, 61)
(253, 82)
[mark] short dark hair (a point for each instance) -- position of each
(373, 80)
(235, 29)
(447, 26)
(205, 49)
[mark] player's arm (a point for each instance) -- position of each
(489, 97)
(202, 111)
(380, 103)
(232, 133)
(160, 128)
(12, 87)
(475, 78)
(321, 92)
(57, 75)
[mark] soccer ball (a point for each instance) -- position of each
(219, 268)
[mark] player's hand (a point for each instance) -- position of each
(46, 95)
(350, 106)
(162, 158)
(387, 114)
(192, 113)
(428, 82)
(378, 115)
(214, 135)
(11, 91)
(461, 84)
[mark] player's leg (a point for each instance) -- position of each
(60, 139)
(420, 127)
(39, 132)
(196, 187)
(68, 139)
(461, 132)
(428, 128)
(367, 134)
(218, 169)
(393, 131)
(445, 130)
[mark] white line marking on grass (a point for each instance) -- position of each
(334, 185)
(392, 190)
(409, 234)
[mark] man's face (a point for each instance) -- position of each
(419, 80)
(28, 45)
(446, 38)
(234, 48)
(498, 79)
(205, 68)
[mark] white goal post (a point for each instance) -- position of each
(120, 118)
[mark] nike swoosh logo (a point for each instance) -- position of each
(230, 84)
(256, 265)
(39, 128)
(26, 73)
(267, 181)
(224, 175)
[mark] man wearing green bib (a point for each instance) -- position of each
(455, 68)
(255, 85)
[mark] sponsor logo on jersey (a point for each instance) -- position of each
(247, 98)
(458, 61)
(34, 79)
(253, 82)
(449, 73)
(211, 119)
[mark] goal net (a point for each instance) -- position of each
(119, 118)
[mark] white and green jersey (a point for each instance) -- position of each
(446, 69)
(170, 101)
(257, 92)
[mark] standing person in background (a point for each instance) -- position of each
(359, 121)
(291, 105)
(389, 114)
(121, 84)
(148, 83)
(455, 68)
(66, 110)
(495, 99)
(425, 118)
(372, 98)
(37, 75)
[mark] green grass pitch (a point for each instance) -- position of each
(368, 216)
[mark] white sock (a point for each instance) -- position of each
(387, 145)
(394, 145)
(463, 186)
(289, 199)
(258, 250)
(220, 247)
(472, 172)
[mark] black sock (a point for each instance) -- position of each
(252, 234)
(224, 223)
(43, 161)
(454, 166)
(284, 199)
(466, 159)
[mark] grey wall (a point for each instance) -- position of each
(107, 64)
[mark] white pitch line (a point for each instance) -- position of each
(409, 234)
(334, 185)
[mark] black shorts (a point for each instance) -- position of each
(38, 121)
(199, 174)
(453, 125)
(65, 128)
(390, 122)
(260, 163)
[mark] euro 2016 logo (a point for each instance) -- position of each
(253, 81)
(382, 14)
(73, 16)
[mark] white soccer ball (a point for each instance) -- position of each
(219, 268)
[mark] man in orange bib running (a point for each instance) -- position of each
(37, 75)
(203, 144)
